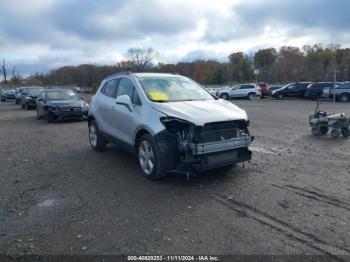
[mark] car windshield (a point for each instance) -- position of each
(34, 92)
(61, 96)
(172, 89)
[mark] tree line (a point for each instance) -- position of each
(287, 64)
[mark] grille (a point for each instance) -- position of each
(218, 131)
(69, 109)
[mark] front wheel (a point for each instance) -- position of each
(97, 141)
(344, 98)
(251, 96)
(335, 133)
(150, 158)
(345, 132)
(224, 96)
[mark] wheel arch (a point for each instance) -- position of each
(139, 133)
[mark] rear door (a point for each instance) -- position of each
(105, 104)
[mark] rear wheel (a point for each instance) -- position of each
(22, 105)
(224, 96)
(280, 96)
(315, 130)
(344, 98)
(150, 158)
(97, 141)
(251, 96)
(324, 130)
(345, 131)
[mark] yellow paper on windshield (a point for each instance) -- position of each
(158, 96)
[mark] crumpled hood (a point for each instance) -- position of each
(201, 112)
(71, 103)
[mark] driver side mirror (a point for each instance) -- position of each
(125, 101)
(82, 98)
(40, 99)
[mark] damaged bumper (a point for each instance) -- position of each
(185, 147)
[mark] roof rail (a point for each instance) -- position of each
(118, 74)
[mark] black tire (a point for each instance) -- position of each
(335, 133)
(324, 130)
(27, 107)
(315, 130)
(280, 96)
(97, 141)
(344, 98)
(22, 105)
(224, 96)
(157, 171)
(251, 96)
(345, 132)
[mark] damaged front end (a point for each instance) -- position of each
(185, 146)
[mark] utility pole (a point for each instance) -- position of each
(334, 84)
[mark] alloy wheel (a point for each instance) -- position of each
(146, 157)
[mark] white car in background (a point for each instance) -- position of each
(250, 91)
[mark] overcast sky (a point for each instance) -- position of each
(38, 35)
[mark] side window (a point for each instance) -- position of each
(135, 98)
(247, 87)
(110, 88)
(291, 87)
(125, 88)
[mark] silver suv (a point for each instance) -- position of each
(250, 91)
(169, 122)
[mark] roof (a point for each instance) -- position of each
(154, 74)
(139, 74)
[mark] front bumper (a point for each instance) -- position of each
(203, 156)
(68, 115)
(30, 103)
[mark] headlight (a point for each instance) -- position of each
(28, 98)
(85, 106)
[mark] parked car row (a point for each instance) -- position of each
(50, 104)
(314, 90)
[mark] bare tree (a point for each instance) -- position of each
(141, 58)
(3, 66)
(14, 77)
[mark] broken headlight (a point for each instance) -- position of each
(173, 124)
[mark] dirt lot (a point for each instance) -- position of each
(57, 196)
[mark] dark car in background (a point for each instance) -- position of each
(273, 88)
(8, 94)
(315, 90)
(29, 96)
(61, 104)
(291, 90)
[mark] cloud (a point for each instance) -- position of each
(40, 35)
(293, 18)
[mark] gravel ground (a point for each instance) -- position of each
(57, 196)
